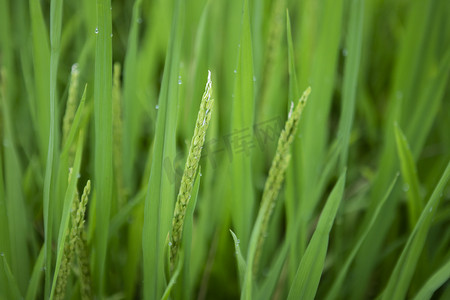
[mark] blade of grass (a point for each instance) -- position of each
(436, 280)
(4, 230)
(161, 190)
(399, 281)
(333, 293)
(311, 265)
(200, 63)
(409, 174)
(267, 288)
(41, 63)
(173, 280)
(243, 108)
(33, 287)
(240, 261)
(351, 70)
(319, 45)
(16, 209)
(13, 286)
(131, 112)
(103, 135)
(293, 172)
(53, 140)
(416, 43)
(125, 212)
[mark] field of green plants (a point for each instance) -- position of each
(225, 149)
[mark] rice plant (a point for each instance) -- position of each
(123, 177)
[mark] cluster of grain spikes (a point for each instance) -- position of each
(276, 173)
(190, 170)
(76, 243)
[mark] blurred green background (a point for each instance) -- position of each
(379, 73)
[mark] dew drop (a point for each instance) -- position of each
(111, 35)
(139, 20)
(344, 52)
(2, 254)
(254, 79)
(170, 243)
(406, 187)
(74, 68)
(96, 30)
(235, 71)
(157, 106)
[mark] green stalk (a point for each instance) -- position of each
(55, 41)
(103, 137)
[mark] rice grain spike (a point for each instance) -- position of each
(69, 246)
(276, 172)
(81, 247)
(71, 106)
(190, 169)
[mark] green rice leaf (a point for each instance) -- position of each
(173, 279)
(440, 277)
(351, 70)
(338, 282)
(409, 174)
(131, 113)
(311, 265)
(240, 261)
(4, 231)
(41, 64)
(50, 201)
(400, 278)
(13, 287)
(33, 287)
(294, 92)
(125, 212)
(161, 189)
(243, 107)
(267, 287)
(103, 181)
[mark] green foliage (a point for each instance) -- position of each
(356, 205)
